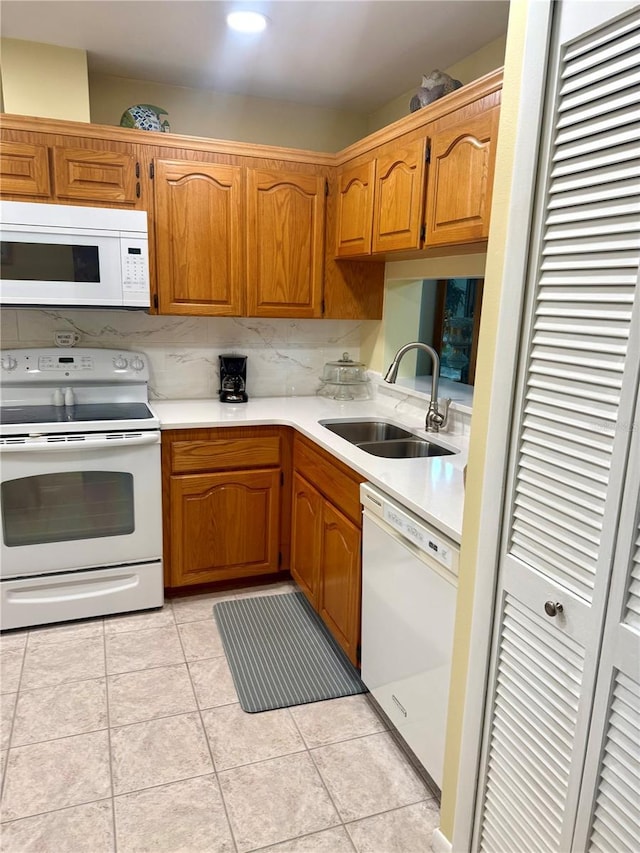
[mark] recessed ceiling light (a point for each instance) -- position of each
(246, 22)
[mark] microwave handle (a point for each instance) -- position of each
(48, 444)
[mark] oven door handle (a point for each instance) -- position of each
(113, 441)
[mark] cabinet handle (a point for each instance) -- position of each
(553, 608)
(137, 189)
(137, 170)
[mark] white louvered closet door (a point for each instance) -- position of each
(609, 812)
(578, 375)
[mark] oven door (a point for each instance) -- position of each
(60, 266)
(80, 501)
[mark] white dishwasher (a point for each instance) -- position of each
(409, 585)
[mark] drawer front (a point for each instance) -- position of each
(337, 486)
(221, 453)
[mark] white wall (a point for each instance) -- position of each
(199, 112)
(44, 80)
(482, 62)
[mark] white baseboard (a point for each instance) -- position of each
(440, 843)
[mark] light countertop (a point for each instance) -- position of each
(432, 488)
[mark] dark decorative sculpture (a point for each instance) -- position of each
(437, 84)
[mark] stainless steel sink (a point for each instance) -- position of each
(404, 448)
(359, 431)
(383, 439)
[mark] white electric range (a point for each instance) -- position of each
(80, 486)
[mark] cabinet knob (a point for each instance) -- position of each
(553, 608)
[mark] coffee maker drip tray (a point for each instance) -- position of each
(233, 378)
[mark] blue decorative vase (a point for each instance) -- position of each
(145, 117)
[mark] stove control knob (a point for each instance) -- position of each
(136, 363)
(9, 362)
(119, 362)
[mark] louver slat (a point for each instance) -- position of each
(632, 606)
(596, 215)
(626, 133)
(595, 162)
(616, 816)
(610, 87)
(605, 35)
(589, 194)
(612, 58)
(624, 240)
(527, 775)
(597, 118)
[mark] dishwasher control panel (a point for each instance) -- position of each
(411, 528)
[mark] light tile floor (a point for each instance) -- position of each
(125, 734)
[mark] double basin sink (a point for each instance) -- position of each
(388, 440)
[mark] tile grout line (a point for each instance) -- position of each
(106, 690)
(53, 811)
(321, 777)
(206, 737)
(5, 769)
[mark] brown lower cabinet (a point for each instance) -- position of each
(241, 502)
(325, 540)
(226, 503)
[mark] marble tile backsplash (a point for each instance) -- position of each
(285, 357)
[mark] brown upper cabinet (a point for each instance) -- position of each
(458, 210)
(198, 236)
(232, 240)
(354, 229)
(399, 196)
(237, 229)
(285, 243)
(35, 170)
(380, 201)
(424, 182)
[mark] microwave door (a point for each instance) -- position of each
(41, 267)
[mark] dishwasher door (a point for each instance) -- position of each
(408, 612)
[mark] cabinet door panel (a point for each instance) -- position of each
(340, 579)
(224, 525)
(306, 537)
(198, 238)
(24, 169)
(87, 175)
(399, 194)
(461, 180)
(285, 244)
(355, 210)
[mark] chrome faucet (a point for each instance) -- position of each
(436, 419)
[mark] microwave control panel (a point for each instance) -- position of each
(135, 266)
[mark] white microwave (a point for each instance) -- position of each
(65, 255)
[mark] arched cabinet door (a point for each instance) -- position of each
(340, 580)
(285, 243)
(198, 238)
(460, 181)
(355, 209)
(224, 525)
(399, 196)
(306, 533)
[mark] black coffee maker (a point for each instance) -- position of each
(233, 378)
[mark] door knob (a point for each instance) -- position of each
(553, 608)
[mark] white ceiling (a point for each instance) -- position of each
(349, 54)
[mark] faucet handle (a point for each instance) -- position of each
(436, 419)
